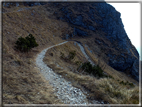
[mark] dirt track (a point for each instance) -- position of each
(65, 91)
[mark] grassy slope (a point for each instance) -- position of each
(106, 89)
(100, 45)
(22, 81)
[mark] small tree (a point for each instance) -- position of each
(26, 44)
(32, 42)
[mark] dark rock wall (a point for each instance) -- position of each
(9, 4)
(115, 32)
(86, 17)
(98, 17)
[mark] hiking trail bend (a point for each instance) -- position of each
(65, 91)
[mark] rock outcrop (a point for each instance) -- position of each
(101, 22)
(8, 4)
(102, 17)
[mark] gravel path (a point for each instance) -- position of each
(65, 91)
(83, 51)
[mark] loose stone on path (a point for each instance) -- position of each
(65, 91)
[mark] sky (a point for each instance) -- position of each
(130, 15)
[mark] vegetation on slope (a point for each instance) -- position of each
(108, 88)
(26, 44)
(22, 81)
(94, 70)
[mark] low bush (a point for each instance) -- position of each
(26, 44)
(98, 71)
(109, 76)
(78, 63)
(71, 55)
(51, 54)
(62, 55)
(131, 84)
(94, 70)
(127, 83)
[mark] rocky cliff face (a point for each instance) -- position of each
(102, 17)
(128, 58)
(103, 23)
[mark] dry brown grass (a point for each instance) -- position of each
(106, 89)
(109, 70)
(116, 93)
(22, 81)
(65, 62)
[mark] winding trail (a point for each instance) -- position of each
(65, 91)
(83, 51)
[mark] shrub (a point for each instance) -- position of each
(51, 54)
(127, 83)
(98, 71)
(78, 63)
(26, 44)
(109, 76)
(94, 70)
(71, 55)
(131, 84)
(62, 55)
(32, 42)
(87, 67)
(122, 82)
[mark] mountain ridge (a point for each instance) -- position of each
(53, 23)
(107, 20)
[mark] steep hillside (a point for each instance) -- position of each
(109, 89)
(97, 26)
(22, 81)
(102, 23)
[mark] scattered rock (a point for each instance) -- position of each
(65, 91)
